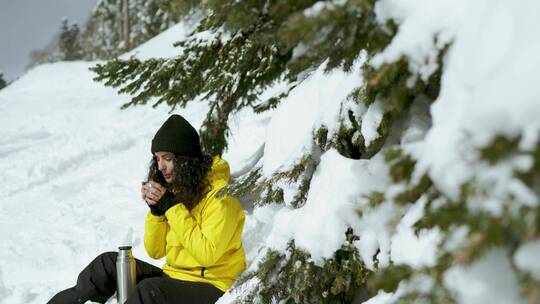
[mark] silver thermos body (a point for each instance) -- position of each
(125, 273)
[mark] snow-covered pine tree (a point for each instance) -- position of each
(149, 19)
(481, 211)
(101, 37)
(104, 35)
(68, 42)
(240, 49)
(65, 45)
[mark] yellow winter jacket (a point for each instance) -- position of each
(203, 245)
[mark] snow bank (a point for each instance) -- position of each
(489, 280)
(526, 258)
(161, 46)
(409, 248)
(371, 122)
(332, 202)
(310, 105)
(246, 140)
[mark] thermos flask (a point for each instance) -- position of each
(125, 273)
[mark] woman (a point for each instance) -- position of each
(197, 230)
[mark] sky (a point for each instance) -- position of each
(27, 25)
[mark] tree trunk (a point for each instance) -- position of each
(119, 22)
(125, 13)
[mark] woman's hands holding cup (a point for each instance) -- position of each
(152, 192)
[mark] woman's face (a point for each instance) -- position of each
(165, 162)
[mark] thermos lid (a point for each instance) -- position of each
(124, 248)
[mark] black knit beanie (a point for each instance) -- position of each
(176, 135)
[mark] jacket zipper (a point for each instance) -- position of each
(202, 271)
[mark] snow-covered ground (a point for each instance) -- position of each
(71, 163)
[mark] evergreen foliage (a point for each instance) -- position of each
(484, 230)
(293, 277)
(117, 26)
(68, 42)
(239, 49)
(246, 47)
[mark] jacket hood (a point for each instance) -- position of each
(220, 173)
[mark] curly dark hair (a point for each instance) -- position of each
(190, 184)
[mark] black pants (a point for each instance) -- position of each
(97, 283)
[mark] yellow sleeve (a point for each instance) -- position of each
(208, 242)
(155, 231)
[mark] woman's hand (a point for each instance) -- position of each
(152, 192)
